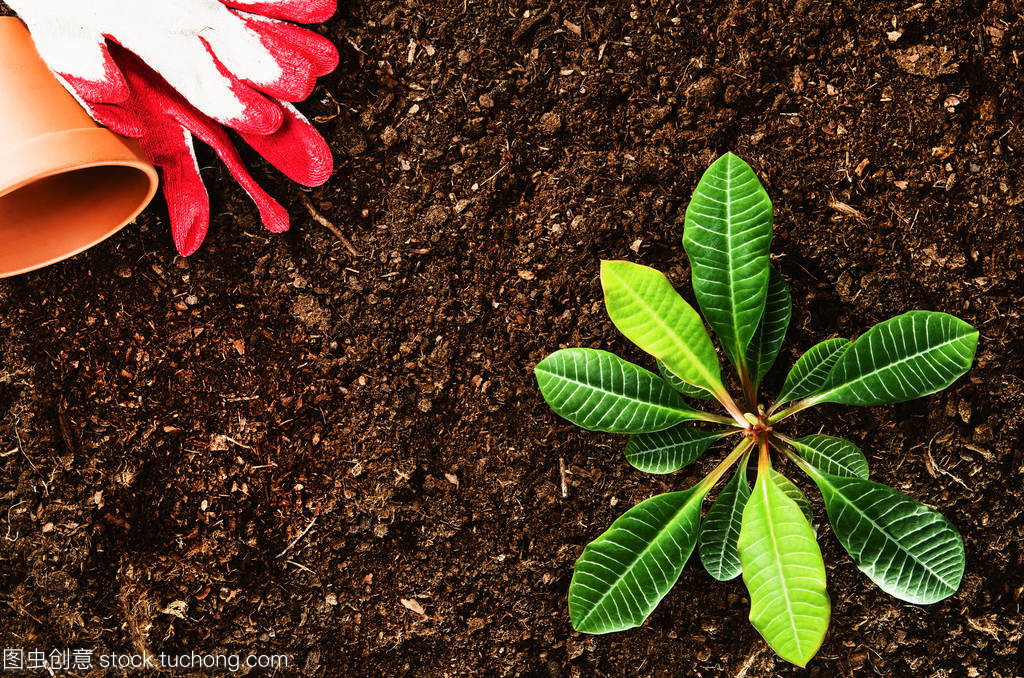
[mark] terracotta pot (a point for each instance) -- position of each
(65, 182)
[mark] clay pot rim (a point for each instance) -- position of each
(153, 185)
(145, 168)
(108, 152)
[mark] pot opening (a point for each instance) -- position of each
(57, 216)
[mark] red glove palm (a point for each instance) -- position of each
(276, 62)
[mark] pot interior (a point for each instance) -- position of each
(60, 215)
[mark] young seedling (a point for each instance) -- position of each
(765, 533)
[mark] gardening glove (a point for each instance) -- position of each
(162, 72)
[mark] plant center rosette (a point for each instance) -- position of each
(764, 532)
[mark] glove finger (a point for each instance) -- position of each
(302, 11)
(188, 203)
(274, 216)
(198, 76)
(166, 112)
(301, 57)
(296, 149)
(169, 146)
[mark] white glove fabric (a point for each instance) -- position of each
(183, 41)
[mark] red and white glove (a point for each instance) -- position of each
(162, 71)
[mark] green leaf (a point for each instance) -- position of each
(906, 548)
(834, 456)
(720, 530)
(649, 312)
(623, 574)
(784, 573)
(790, 489)
(906, 357)
(727, 234)
(810, 371)
(671, 450)
(602, 392)
(764, 345)
(688, 390)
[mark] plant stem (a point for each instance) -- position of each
(777, 437)
(730, 405)
(712, 478)
(763, 461)
(746, 383)
(798, 406)
(716, 419)
(782, 444)
(749, 391)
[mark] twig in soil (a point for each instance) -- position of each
(845, 209)
(529, 23)
(930, 464)
(323, 221)
(21, 448)
(239, 399)
(561, 475)
(21, 610)
(495, 175)
(232, 440)
(973, 448)
(301, 535)
(66, 432)
(300, 566)
(746, 665)
(16, 534)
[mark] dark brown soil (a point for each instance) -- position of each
(271, 445)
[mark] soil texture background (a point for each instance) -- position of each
(281, 446)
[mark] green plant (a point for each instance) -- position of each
(907, 549)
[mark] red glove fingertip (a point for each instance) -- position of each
(189, 227)
(302, 11)
(302, 55)
(188, 204)
(297, 149)
(274, 216)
